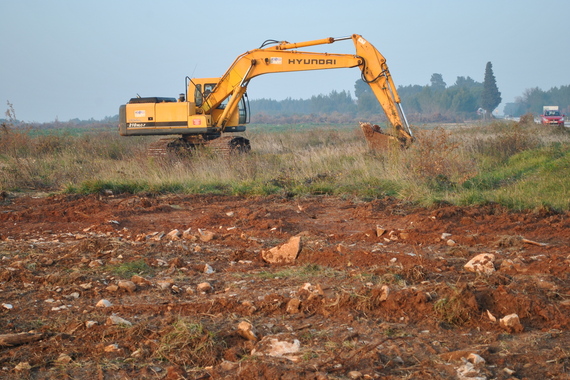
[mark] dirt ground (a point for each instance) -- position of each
(378, 290)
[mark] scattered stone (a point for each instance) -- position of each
(174, 235)
(355, 375)
(247, 331)
(127, 285)
(491, 316)
(393, 235)
(187, 235)
(380, 231)
(475, 359)
(515, 264)
(112, 288)
(90, 324)
(204, 287)
(278, 348)
(22, 366)
(7, 306)
(112, 348)
(139, 280)
(86, 286)
(104, 303)
(226, 365)
(468, 371)
(511, 323)
(208, 269)
(206, 236)
(283, 254)
(137, 354)
(509, 371)
(445, 236)
(63, 359)
(189, 290)
(293, 305)
(482, 263)
(385, 293)
(165, 284)
(451, 243)
(95, 263)
(116, 320)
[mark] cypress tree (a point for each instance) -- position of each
(490, 97)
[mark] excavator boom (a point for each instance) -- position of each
(282, 58)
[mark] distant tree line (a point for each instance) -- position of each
(534, 99)
(465, 99)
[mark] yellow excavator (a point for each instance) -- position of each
(213, 109)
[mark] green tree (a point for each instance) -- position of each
(490, 97)
(437, 82)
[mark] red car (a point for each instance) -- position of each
(551, 116)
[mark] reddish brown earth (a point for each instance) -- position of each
(396, 306)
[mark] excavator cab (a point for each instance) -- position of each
(199, 91)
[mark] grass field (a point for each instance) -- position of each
(519, 165)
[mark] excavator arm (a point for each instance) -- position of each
(283, 57)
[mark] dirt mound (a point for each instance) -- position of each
(156, 286)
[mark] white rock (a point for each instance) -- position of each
(475, 359)
(7, 306)
(174, 235)
(508, 371)
(116, 320)
(187, 235)
(278, 348)
(90, 324)
(511, 323)
(482, 263)
(208, 269)
(104, 303)
(206, 236)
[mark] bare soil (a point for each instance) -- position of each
(376, 291)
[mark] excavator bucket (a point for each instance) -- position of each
(377, 140)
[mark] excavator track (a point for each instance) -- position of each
(225, 145)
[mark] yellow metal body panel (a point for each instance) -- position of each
(199, 121)
(171, 111)
(140, 112)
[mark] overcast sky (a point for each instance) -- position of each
(70, 59)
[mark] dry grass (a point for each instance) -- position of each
(291, 162)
